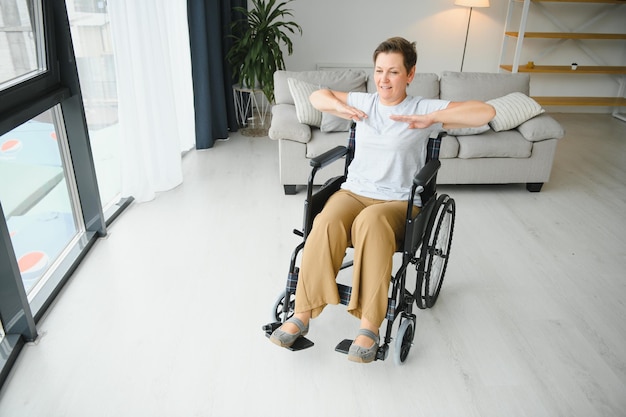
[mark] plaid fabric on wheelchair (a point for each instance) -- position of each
(433, 147)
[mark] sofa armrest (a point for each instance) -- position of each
(285, 125)
(540, 128)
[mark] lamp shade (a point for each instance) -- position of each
(472, 3)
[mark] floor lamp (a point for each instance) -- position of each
(471, 4)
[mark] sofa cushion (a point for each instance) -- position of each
(462, 86)
(285, 125)
(540, 128)
(506, 144)
(341, 80)
(300, 92)
(424, 85)
(449, 147)
(332, 123)
(322, 142)
(465, 131)
(512, 110)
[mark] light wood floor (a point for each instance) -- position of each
(164, 316)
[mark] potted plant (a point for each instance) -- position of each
(256, 50)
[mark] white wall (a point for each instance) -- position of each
(349, 31)
(341, 31)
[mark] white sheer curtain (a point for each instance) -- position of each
(153, 68)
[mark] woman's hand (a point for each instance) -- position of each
(415, 121)
(348, 112)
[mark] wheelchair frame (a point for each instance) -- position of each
(430, 232)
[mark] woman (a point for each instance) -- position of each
(369, 211)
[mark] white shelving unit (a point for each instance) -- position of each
(583, 39)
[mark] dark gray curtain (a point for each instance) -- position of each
(209, 27)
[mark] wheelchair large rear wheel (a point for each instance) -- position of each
(435, 251)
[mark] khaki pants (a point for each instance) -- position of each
(374, 228)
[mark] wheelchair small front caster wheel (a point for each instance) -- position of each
(278, 307)
(404, 340)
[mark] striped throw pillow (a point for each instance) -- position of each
(512, 110)
(300, 91)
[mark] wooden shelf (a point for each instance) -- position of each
(581, 101)
(582, 1)
(567, 69)
(570, 35)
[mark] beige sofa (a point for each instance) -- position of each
(517, 147)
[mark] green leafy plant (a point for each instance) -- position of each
(256, 51)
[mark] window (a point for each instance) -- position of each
(21, 41)
(37, 192)
(91, 36)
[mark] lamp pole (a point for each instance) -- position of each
(471, 4)
(469, 19)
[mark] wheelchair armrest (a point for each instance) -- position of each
(427, 173)
(328, 157)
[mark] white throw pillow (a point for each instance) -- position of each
(300, 91)
(512, 110)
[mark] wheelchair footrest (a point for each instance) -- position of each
(300, 343)
(344, 347)
(269, 328)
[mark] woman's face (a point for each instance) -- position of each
(391, 78)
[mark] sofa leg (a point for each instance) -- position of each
(290, 189)
(534, 187)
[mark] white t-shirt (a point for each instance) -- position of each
(388, 154)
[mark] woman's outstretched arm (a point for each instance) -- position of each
(458, 114)
(335, 102)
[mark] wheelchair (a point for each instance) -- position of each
(425, 251)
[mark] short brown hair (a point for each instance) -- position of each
(402, 46)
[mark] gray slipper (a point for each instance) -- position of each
(284, 339)
(361, 354)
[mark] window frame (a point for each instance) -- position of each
(57, 85)
(15, 100)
